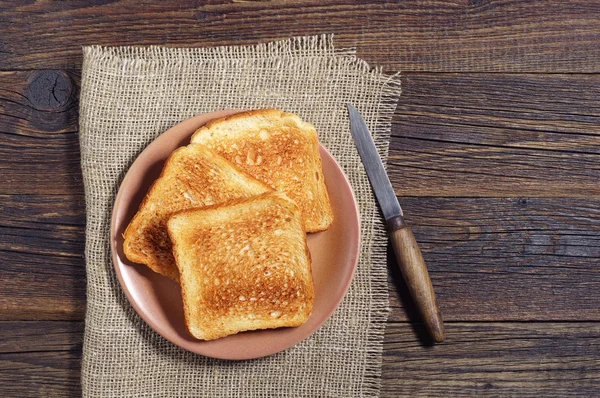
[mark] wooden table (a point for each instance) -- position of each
(495, 155)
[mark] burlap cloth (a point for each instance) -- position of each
(131, 95)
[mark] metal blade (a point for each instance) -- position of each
(372, 161)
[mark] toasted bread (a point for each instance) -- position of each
(243, 266)
(279, 149)
(193, 176)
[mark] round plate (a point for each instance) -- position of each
(157, 299)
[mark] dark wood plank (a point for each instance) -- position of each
(409, 35)
(39, 146)
(475, 135)
(506, 259)
(42, 266)
(478, 359)
(494, 360)
(497, 136)
(43, 212)
(486, 256)
(40, 359)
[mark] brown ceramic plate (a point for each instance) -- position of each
(157, 299)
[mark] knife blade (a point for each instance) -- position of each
(408, 255)
(374, 166)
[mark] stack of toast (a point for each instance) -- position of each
(227, 219)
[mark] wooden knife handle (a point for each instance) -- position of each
(413, 268)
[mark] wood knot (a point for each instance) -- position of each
(49, 89)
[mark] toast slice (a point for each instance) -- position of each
(243, 266)
(279, 149)
(193, 176)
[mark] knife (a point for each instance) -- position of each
(408, 255)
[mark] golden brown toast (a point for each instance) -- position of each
(243, 266)
(193, 176)
(279, 149)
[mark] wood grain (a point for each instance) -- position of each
(497, 136)
(39, 146)
(504, 35)
(506, 259)
(494, 360)
(478, 359)
(504, 136)
(484, 257)
(40, 359)
(42, 267)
